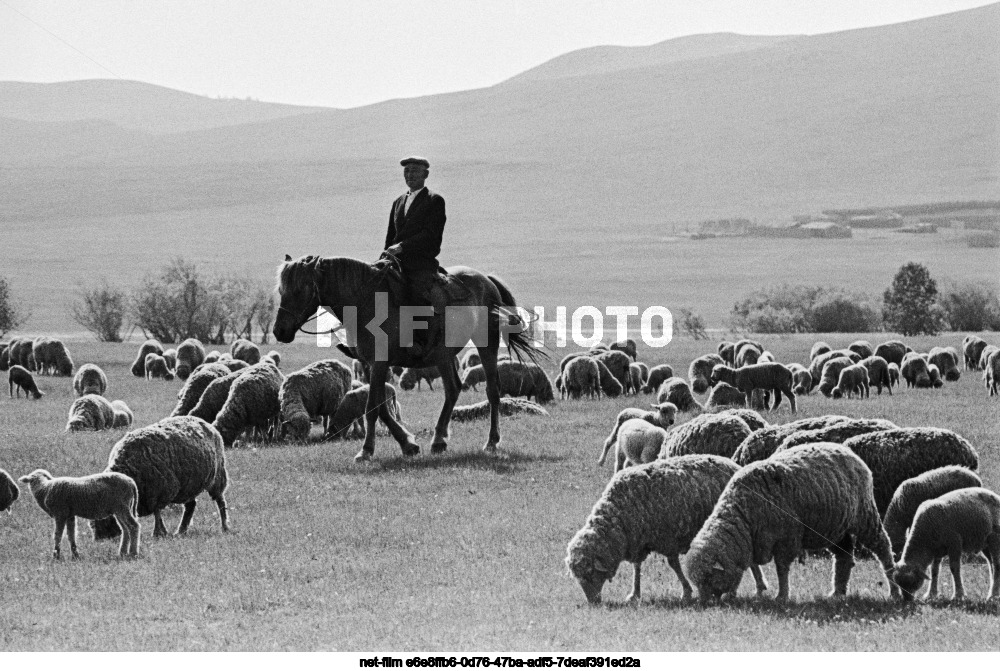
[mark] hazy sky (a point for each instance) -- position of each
(354, 52)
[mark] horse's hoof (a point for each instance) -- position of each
(438, 447)
(411, 449)
(362, 456)
(490, 447)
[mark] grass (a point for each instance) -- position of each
(462, 551)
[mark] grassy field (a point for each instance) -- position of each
(462, 551)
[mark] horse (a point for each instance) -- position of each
(358, 290)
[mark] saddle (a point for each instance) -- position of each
(395, 283)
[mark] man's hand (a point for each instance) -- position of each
(393, 250)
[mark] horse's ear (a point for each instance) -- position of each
(288, 259)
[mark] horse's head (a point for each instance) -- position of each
(298, 287)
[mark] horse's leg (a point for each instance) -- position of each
(377, 409)
(452, 388)
(489, 362)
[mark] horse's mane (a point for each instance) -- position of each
(303, 273)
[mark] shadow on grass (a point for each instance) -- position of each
(500, 462)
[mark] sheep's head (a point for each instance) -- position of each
(713, 573)
(700, 384)
(909, 578)
(667, 413)
(721, 373)
(297, 426)
(837, 393)
(36, 478)
(408, 380)
(65, 366)
(589, 570)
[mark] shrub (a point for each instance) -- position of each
(101, 310)
(805, 309)
(693, 324)
(844, 314)
(13, 313)
(907, 304)
(983, 239)
(970, 306)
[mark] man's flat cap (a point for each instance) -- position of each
(418, 160)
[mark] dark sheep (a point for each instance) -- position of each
(862, 348)
(762, 443)
(195, 386)
(4, 357)
(676, 390)
(914, 370)
(892, 351)
(816, 365)
(627, 346)
(18, 376)
(610, 385)
(244, 350)
(190, 355)
(878, 373)
(972, 349)
(748, 355)
(412, 377)
(617, 363)
(657, 374)
(9, 491)
(765, 376)
(148, 347)
(946, 359)
(818, 348)
(725, 396)
(51, 357)
(700, 372)
(727, 351)
(831, 374)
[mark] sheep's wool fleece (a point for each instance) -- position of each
(752, 418)
(706, 434)
(195, 386)
(171, 461)
(926, 486)
(90, 412)
(810, 496)
(836, 433)
(9, 491)
(655, 507)
(762, 443)
(253, 401)
(508, 406)
(900, 454)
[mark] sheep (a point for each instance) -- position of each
(18, 352)
(915, 371)
(4, 357)
(473, 377)
(801, 379)
(663, 415)
(187, 397)
(252, 403)
(964, 520)
(310, 393)
(233, 365)
(862, 348)
(816, 365)
(765, 376)
(90, 413)
(123, 416)
(508, 407)
(610, 386)
(412, 377)
(831, 374)
(657, 374)
(617, 363)
(900, 454)
(627, 346)
(946, 359)
(190, 355)
(676, 390)
(723, 396)
(924, 487)
(348, 420)
(171, 462)
(706, 434)
(751, 417)
(90, 497)
(569, 357)
(634, 378)
(991, 372)
(747, 356)
(892, 351)
(657, 507)
(762, 443)
(90, 379)
(244, 350)
(818, 348)
(170, 356)
(210, 403)
(972, 348)
(524, 379)
(934, 373)
(469, 359)
(853, 379)
(275, 356)
(746, 341)
(52, 357)
(9, 491)
(727, 352)
(19, 377)
(149, 347)
(766, 357)
(582, 376)
(156, 367)
(645, 370)
(639, 442)
(811, 497)
(837, 432)
(700, 372)
(600, 347)
(211, 357)
(893, 375)
(878, 373)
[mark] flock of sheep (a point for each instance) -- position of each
(726, 487)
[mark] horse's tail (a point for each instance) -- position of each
(518, 343)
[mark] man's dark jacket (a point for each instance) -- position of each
(418, 232)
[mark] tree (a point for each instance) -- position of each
(971, 306)
(693, 324)
(12, 313)
(101, 310)
(908, 306)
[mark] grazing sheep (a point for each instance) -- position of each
(156, 367)
(663, 415)
(746, 341)
(817, 364)
(634, 379)
(818, 348)
(412, 377)
(473, 377)
(190, 355)
(765, 376)
(310, 393)
(658, 507)
(725, 396)
(892, 351)
(149, 347)
(718, 434)
(645, 370)
(700, 372)
(748, 355)
(862, 348)
(900, 454)
(170, 356)
(878, 373)
(275, 356)
(569, 357)
(893, 375)
(51, 357)
(508, 406)
(600, 347)
(90, 379)
(616, 362)
(582, 376)
(831, 374)
(252, 404)
(639, 442)
(991, 371)
(676, 390)
(233, 365)
(9, 491)
(751, 417)
(835, 433)
(762, 443)
(211, 357)
(657, 374)
(90, 413)
(627, 346)
(171, 462)
(610, 385)
(924, 487)
(19, 377)
(972, 349)
(90, 497)
(214, 397)
(524, 379)
(244, 350)
(18, 352)
(4, 357)
(123, 416)
(811, 497)
(469, 359)
(965, 520)
(801, 379)
(935, 376)
(728, 352)
(853, 379)
(946, 359)
(348, 420)
(187, 397)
